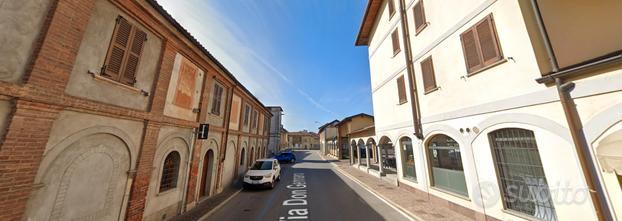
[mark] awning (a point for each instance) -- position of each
(609, 154)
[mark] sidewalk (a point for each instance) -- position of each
(416, 205)
(206, 206)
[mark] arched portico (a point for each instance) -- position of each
(373, 157)
(362, 149)
(387, 152)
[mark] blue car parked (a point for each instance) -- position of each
(286, 157)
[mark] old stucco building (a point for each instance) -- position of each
(303, 140)
(100, 99)
(483, 98)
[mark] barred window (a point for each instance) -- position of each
(170, 171)
(522, 181)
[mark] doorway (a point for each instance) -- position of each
(206, 180)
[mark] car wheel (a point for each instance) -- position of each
(292, 161)
(272, 185)
(278, 178)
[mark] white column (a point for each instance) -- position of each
(379, 149)
(367, 154)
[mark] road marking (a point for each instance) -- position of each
(364, 186)
(298, 198)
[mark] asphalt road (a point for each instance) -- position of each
(317, 192)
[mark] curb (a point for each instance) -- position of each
(392, 204)
(204, 217)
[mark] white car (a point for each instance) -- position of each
(264, 172)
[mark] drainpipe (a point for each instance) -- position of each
(414, 103)
(597, 194)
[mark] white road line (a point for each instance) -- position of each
(204, 217)
(364, 186)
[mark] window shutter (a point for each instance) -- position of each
(138, 39)
(254, 120)
(487, 41)
(419, 15)
(481, 45)
(214, 95)
(391, 6)
(216, 99)
(471, 52)
(246, 114)
(220, 92)
(117, 49)
(396, 42)
(401, 89)
(427, 68)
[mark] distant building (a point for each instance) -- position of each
(350, 129)
(304, 140)
(284, 141)
(328, 137)
(276, 127)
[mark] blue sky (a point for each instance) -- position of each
(298, 54)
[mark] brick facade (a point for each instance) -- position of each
(40, 97)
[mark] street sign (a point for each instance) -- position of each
(202, 131)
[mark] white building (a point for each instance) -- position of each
(274, 134)
(517, 104)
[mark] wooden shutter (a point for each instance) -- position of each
(427, 69)
(391, 6)
(471, 51)
(118, 48)
(401, 90)
(220, 94)
(480, 45)
(488, 41)
(255, 119)
(396, 42)
(246, 114)
(216, 99)
(133, 56)
(124, 52)
(419, 16)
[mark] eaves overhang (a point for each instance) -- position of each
(367, 25)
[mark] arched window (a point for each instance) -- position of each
(521, 175)
(170, 171)
(408, 158)
(242, 157)
(446, 164)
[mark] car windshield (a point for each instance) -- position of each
(262, 165)
(285, 154)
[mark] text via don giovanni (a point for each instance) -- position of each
(296, 204)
